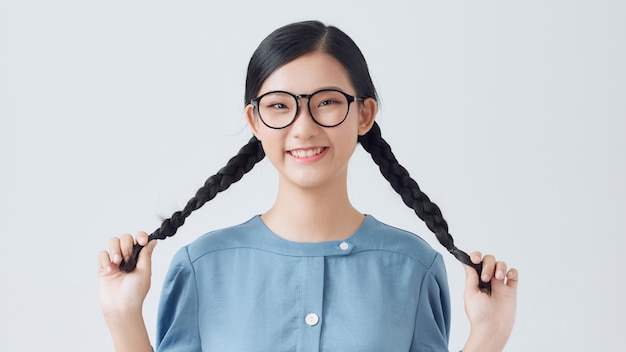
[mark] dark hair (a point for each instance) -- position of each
(280, 47)
(292, 41)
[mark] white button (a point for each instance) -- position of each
(344, 246)
(311, 319)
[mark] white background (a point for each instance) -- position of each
(510, 114)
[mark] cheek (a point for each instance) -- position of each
(260, 130)
(349, 131)
(271, 140)
(346, 140)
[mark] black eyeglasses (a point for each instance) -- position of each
(327, 107)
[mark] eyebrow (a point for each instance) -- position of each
(312, 91)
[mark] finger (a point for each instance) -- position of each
(144, 262)
(115, 251)
(512, 278)
(126, 243)
(489, 266)
(500, 270)
(105, 264)
(471, 279)
(476, 257)
(142, 238)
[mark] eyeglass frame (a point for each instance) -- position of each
(349, 98)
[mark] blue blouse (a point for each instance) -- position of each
(244, 288)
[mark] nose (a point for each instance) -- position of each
(304, 126)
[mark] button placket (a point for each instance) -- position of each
(312, 304)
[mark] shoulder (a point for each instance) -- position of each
(244, 235)
(375, 235)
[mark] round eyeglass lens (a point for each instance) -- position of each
(278, 109)
(329, 107)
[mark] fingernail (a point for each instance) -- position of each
(127, 259)
(108, 269)
(116, 258)
(499, 275)
(485, 278)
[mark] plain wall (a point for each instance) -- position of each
(511, 115)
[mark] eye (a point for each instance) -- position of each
(327, 99)
(328, 102)
(277, 102)
(278, 106)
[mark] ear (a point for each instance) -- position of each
(253, 120)
(367, 115)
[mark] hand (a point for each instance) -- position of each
(121, 293)
(491, 316)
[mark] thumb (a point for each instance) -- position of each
(144, 262)
(471, 279)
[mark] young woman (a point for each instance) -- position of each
(312, 273)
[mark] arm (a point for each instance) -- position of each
(177, 323)
(491, 316)
(432, 319)
(122, 294)
(129, 333)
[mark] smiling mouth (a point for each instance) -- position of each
(300, 153)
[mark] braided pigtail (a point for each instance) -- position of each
(412, 196)
(237, 166)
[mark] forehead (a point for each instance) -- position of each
(307, 74)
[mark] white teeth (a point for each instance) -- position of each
(306, 153)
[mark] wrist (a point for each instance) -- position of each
(485, 342)
(122, 315)
(128, 332)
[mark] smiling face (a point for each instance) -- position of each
(306, 154)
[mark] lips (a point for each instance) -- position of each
(306, 153)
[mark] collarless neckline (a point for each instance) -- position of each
(275, 243)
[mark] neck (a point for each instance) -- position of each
(313, 214)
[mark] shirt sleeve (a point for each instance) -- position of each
(177, 322)
(432, 320)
